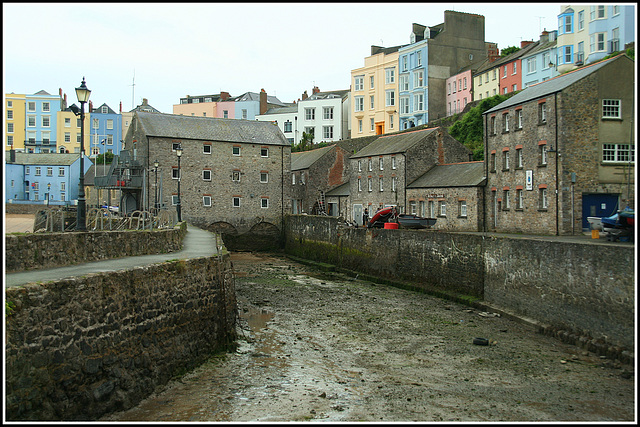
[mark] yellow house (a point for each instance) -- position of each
(573, 37)
(374, 93)
(69, 132)
(14, 105)
(486, 81)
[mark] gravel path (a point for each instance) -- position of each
(327, 347)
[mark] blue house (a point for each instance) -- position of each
(46, 178)
(248, 105)
(413, 81)
(41, 122)
(540, 64)
(611, 27)
(106, 132)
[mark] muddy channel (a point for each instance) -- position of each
(326, 347)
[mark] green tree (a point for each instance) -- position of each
(305, 144)
(469, 129)
(106, 158)
(508, 51)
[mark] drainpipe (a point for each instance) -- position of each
(555, 101)
(404, 189)
(486, 174)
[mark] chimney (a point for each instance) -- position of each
(144, 101)
(544, 37)
(263, 101)
(12, 155)
(91, 106)
(304, 95)
(65, 99)
(224, 96)
(315, 90)
(525, 43)
(120, 107)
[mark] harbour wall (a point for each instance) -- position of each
(582, 293)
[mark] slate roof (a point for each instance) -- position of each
(553, 85)
(98, 110)
(210, 129)
(46, 159)
(339, 191)
(281, 110)
(303, 159)
(101, 169)
(468, 174)
(253, 96)
(328, 94)
(392, 144)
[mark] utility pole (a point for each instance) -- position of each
(133, 89)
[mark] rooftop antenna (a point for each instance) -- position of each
(540, 23)
(133, 89)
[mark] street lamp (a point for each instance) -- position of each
(48, 193)
(179, 207)
(83, 97)
(155, 167)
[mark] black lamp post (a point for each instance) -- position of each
(83, 96)
(179, 207)
(48, 193)
(155, 167)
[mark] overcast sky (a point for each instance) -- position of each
(183, 49)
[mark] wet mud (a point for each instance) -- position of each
(316, 346)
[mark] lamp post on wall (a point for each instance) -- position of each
(48, 193)
(155, 167)
(178, 206)
(83, 97)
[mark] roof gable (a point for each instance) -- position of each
(304, 159)
(392, 144)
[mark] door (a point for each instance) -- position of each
(357, 214)
(598, 205)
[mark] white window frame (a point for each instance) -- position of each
(358, 83)
(418, 79)
(443, 208)
(462, 208)
(309, 114)
(611, 109)
(235, 176)
(206, 201)
(206, 148)
(390, 97)
(358, 103)
(264, 203)
(236, 202)
(236, 151)
(370, 184)
(206, 175)
(264, 177)
(404, 105)
(519, 119)
(327, 132)
(418, 101)
(618, 153)
(390, 75)
(327, 113)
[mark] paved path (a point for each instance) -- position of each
(197, 243)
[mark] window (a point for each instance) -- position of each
(60, 171)
(235, 150)
(432, 209)
(519, 160)
(567, 54)
(31, 137)
(393, 162)
(543, 202)
(236, 202)
(302, 181)
(9, 127)
(9, 114)
(519, 199)
(288, 126)
(309, 113)
(462, 208)
(327, 113)
(531, 65)
(358, 83)
(611, 109)
(597, 42)
(235, 176)
(264, 203)
(358, 103)
(244, 114)
(370, 162)
(581, 20)
(264, 152)
(418, 101)
(206, 175)
(38, 170)
(618, 153)
(390, 75)
(505, 160)
(404, 82)
(264, 177)
(404, 105)
(31, 121)
(443, 208)
(505, 122)
(448, 88)
(545, 60)
(371, 81)
(31, 106)
(381, 163)
(175, 173)
(370, 184)
(495, 74)
(519, 119)
(542, 112)
(419, 58)
(493, 162)
(206, 148)
(492, 125)
(505, 200)
(479, 80)
(371, 102)
(597, 12)
(49, 171)
(405, 61)
(418, 79)
(206, 201)
(486, 77)
(373, 126)
(381, 184)
(67, 137)
(394, 183)
(504, 74)
(515, 67)
(543, 154)
(360, 125)
(390, 98)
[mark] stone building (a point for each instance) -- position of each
(452, 193)
(562, 150)
(315, 172)
(234, 174)
(381, 171)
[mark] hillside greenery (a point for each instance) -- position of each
(469, 129)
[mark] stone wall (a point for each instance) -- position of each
(80, 348)
(49, 250)
(580, 292)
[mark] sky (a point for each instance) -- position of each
(171, 50)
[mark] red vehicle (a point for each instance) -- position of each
(383, 215)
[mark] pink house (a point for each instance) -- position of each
(459, 93)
